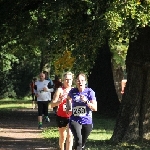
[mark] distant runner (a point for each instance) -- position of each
(42, 89)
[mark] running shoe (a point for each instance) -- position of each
(47, 119)
(40, 127)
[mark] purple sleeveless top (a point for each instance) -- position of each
(81, 113)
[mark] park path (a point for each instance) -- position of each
(18, 131)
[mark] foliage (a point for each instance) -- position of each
(7, 88)
(123, 20)
(36, 33)
(119, 51)
(64, 62)
(50, 27)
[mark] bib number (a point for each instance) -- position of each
(79, 111)
(64, 107)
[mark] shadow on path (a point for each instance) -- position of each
(18, 130)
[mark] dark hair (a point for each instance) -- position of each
(82, 74)
(45, 72)
(34, 79)
(57, 77)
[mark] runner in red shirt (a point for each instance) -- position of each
(34, 98)
(57, 84)
(62, 118)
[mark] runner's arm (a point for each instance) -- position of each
(68, 103)
(56, 98)
(35, 90)
(92, 104)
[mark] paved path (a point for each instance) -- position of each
(18, 131)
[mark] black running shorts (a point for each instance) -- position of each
(62, 121)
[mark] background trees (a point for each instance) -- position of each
(132, 22)
(38, 32)
(35, 33)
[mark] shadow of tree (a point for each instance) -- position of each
(27, 121)
(24, 144)
(108, 145)
(22, 123)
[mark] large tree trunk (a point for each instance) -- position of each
(101, 81)
(133, 121)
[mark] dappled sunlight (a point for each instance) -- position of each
(24, 143)
(19, 133)
(19, 130)
(100, 136)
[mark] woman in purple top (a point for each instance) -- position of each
(83, 103)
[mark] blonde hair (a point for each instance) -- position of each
(68, 73)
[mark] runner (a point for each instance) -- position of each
(83, 103)
(42, 89)
(57, 84)
(62, 118)
(51, 86)
(34, 98)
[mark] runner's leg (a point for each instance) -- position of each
(69, 142)
(40, 109)
(76, 131)
(61, 122)
(33, 100)
(86, 130)
(62, 137)
(45, 108)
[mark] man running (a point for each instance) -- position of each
(42, 89)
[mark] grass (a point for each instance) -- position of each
(15, 104)
(101, 133)
(99, 138)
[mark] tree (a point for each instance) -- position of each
(133, 118)
(16, 52)
(130, 19)
(101, 81)
(45, 29)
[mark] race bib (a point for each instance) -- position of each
(79, 111)
(64, 107)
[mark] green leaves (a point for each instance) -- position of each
(6, 61)
(123, 18)
(46, 29)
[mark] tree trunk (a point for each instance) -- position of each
(133, 121)
(118, 76)
(101, 81)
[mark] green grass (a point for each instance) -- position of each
(99, 138)
(15, 104)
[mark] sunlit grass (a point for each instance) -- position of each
(15, 103)
(99, 138)
(100, 134)
(102, 131)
